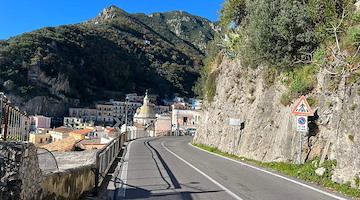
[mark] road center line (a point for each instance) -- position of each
(202, 173)
(271, 173)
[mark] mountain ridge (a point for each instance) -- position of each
(115, 54)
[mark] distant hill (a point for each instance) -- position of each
(105, 57)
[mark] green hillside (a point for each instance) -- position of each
(106, 57)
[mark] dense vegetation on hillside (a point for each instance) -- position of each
(293, 38)
(115, 53)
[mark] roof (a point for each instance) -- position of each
(90, 141)
(82, 131)
(38, 116)
(178, 104)
(62, 129)
(61, 145)
(109, 129)
(147, 111)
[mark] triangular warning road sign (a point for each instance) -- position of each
(302, 108)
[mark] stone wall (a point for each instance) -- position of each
(22, 179)
(268, 131)
(20, 175)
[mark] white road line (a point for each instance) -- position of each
(271, 173)
(124, 169)
(206, 176)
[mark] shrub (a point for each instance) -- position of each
(278, 31)
(270, 74)
(303, 79)
(232, 12)
(353, 35)
(353, 107)
(251, 90)
(286, 99)
(351, 138)
(211, 85)
(312, 101)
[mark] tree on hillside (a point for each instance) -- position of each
(232, 12)
(278, 32)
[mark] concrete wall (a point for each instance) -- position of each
(20, 175)
(69, 184)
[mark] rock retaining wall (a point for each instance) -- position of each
(20, 175)
(268, 130)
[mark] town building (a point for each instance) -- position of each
(133, 97)
(81, 134)
(39, 121)
(65, 144)
(162, 109)
(145, 115)
(163, 124)
(196, 104)
(40, 139)
(77, 123)
(125, 110)
(88, 114)
(183, 117)
(100, 132)
(105, 111)
(59, 133)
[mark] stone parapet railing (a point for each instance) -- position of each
(69, 184)
(22, 179)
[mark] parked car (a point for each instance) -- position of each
(190, 131)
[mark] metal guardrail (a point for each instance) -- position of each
(14, 123)
(106, 156)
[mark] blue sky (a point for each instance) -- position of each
(23, 16)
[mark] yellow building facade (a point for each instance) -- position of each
(40, 139)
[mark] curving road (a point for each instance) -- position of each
(170, 168)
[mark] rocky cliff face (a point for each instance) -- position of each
(268, 129)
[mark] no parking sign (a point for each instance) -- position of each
(301, 123)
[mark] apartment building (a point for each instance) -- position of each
(39, 121)
(106, 111)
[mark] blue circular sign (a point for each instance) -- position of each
(302, 120)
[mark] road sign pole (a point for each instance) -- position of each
(300, 149)
(233, 146)
(302, 110)
(234, 122)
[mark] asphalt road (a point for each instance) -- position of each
(170, 168)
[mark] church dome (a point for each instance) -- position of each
(145, 111)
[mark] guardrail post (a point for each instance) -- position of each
(6, 120)
(96, 172)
